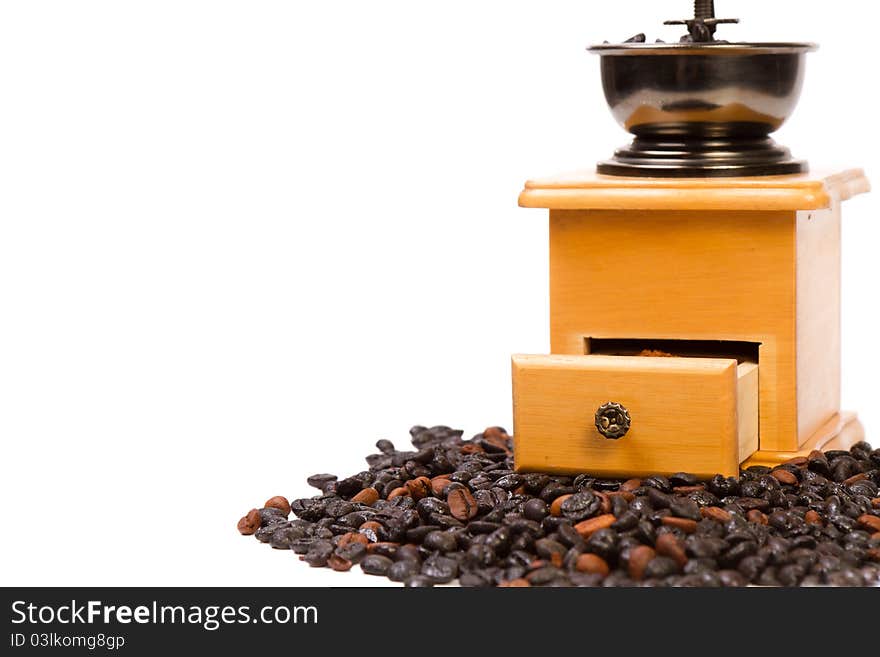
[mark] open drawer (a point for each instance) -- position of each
(617, 416)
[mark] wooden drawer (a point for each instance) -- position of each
(697, 415)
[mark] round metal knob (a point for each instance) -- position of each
(613, 420)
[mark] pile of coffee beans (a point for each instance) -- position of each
(455, 509)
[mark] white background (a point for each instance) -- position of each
(241, 241)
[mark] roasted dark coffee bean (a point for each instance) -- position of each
(685, 508)
(320, 480)
(400, 571)
(811, 521)
(440, 540)
(657, 482)
(353, 552)
(549, 549)
(660, 567)
(683, 479)
(535, 509)
(282, 537)
(544, 576)
(318, 554)
(376, 564)
(580, 506)
(553, 490)
(659, 499)
(441, 570)
(428, 505)
(603, 543)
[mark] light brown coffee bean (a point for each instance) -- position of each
(592, 563)
(515, 584)
(625, 494)
(687, 490)
(859, 477)
(715, 513)
(589, 527)
(370, 525)
(685, 525)
(639, 558)
(462, 505)
(352, 537)
(606, 501)
(401, 491)
(869, 522)
(668, 545)
(280, 503)
(784, 477)
(439, 485)
(250, 522)
(419, 487)
(471, 448)
(368, 496)
(339, 564)
(757, 517)
(876, 503)
(798, 461)
(631, 484)
(813, 518)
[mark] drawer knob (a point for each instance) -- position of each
(613, 420)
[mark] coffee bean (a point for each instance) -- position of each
(685, 508)
(684, 524)
(811, 521)
(535, 509)
(869, 522)
(250, 522)
(669, 546)
(401, 571)
(588, 527)
(440, 540)
(544, 575)
(784, 477)
(638, 560)
(556, 506)
(714, 513)
(283, 536)
(376, 564)
(683, 479)
(419, 487)
(368, 496)
(631, 485)
(660, 567)
(591, 563)
(580, 506)
(440, 570)
(757, 517)
(462, 504)
(339, 564)
(439, 485)
(318, 554)
(280, 503)
(604, 543)
(320, 480)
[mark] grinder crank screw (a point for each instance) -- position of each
(701, 28)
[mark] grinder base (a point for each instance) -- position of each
(680, 156)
